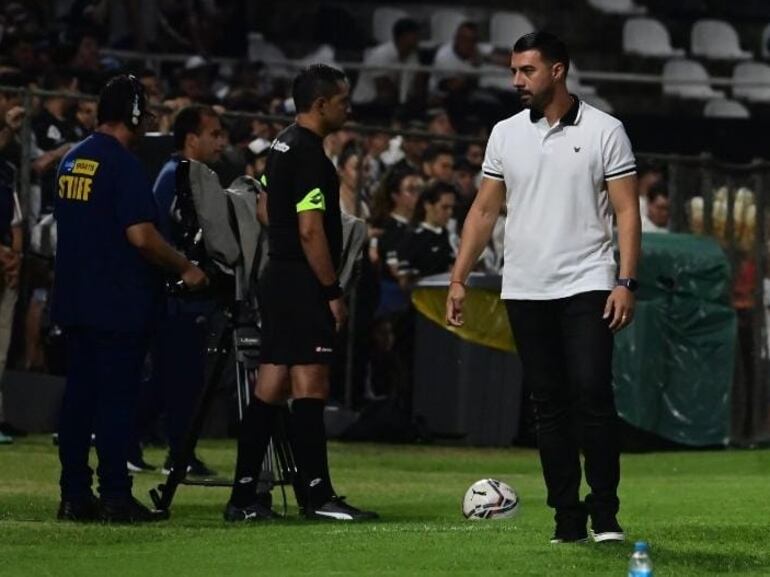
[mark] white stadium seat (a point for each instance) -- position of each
(716, 40)
(698, 80)
(765, 48)
(627, 7)
(383, 20)
(575, 85)
(755, 72)
(724, 108)
(444, 23)
(648, 37)
(505, 28)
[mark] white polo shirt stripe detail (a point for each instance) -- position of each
(558, 230)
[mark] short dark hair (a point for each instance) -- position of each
(470, 25)
(405, 26)
(434, 151)
(656, 190)
(122, 100)
(58, 78)
(431, 195)
(550, 46)
(313, 82)
(188, 121)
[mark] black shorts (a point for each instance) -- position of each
(298, 327)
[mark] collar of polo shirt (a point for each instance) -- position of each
(568, 119)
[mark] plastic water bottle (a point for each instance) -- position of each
(640, 564)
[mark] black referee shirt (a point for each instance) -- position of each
(299, 177)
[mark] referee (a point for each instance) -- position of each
(561, 168)
(300, 301)
(107, 294)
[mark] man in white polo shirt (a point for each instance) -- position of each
(562, 168)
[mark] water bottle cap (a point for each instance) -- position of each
(640, 546)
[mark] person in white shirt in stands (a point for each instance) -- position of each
(561, 168)
(389, 87)
(657, 209)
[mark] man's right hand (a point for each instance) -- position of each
(340, 312)
(454, 304)
(194, 278)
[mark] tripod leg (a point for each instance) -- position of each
(163, 495)
(287, 470)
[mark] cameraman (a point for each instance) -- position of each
(107, 294)
(178, 351)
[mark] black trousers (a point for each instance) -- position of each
(565, 348)
(103, 374)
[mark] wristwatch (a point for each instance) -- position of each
(630, 283)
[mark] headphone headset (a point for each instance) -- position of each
(136, 105)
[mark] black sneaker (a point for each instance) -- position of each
(605, 528)
(337, 509)
(196, 468)
(570, 527)
(251, 513)
(140, 466)
(129, 510)
(81, 511)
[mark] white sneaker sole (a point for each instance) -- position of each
(563, 542)
(611, 536)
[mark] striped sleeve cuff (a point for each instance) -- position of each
(620, 173)
(492, 174)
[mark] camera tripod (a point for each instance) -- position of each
(240, 334)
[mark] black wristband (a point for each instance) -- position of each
(332, 292)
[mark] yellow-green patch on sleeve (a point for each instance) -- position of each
(314, 200)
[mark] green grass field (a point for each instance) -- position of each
(704, 513)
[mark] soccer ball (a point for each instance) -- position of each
(490, 499)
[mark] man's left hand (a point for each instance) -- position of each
(620, 308)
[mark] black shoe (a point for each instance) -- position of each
(11, 431)
(605, 528)
(196, 468)
(251, 513)
(129, 510)
(337, 509)
(140, 466)
(570, 527)
(82, 511)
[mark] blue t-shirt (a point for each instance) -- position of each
(102, 281)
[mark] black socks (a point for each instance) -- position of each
(309, 445)
(256, 430)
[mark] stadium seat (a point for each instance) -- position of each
(574, 84)
(383, 20)
(752, 72)
(505, 28)
(698, 85)
(444, 23)
(627, 7)
(724, 108)
(324, 54)
(598, 102)
(648, 37)
(765, 48)
(716, 40)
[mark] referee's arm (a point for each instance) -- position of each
(476, 233)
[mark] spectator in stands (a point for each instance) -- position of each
(413, 147)
(348, 164)
(10, 264)
(373, 166)
(428, 250)
(256, 157)
(393, 211)
(656, 216)
(388, 88)
(439, 122)
(438, 163)
(11, 117)
(178, 350)
(22, 54)
(85, 118)
(649, 176)
(465, 182)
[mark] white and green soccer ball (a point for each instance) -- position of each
(490, 499)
